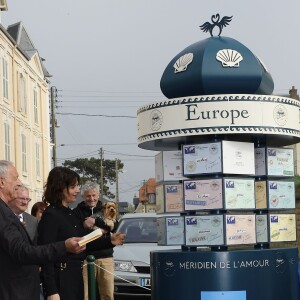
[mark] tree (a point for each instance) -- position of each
(89, 170)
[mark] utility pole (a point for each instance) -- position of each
(101, 174)
(53, 95)
(117, 181)
(117, 186)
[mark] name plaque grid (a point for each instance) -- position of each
(206, 196)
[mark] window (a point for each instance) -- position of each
(22, 94)
(35, 106)
(7, 141)
(24, 153)
(152, 198)
(139, 230)
(5, 77)
(37, 160)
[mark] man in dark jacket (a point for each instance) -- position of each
(19, 258)
(19, 205)
(91, 213)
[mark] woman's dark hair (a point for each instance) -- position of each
(36, 207)
(59, 178)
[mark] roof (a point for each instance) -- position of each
(20, 35)
(18, 32)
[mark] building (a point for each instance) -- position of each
(147, 196)
(24, 107)
(294, 95)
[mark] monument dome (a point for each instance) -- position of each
(215, 65)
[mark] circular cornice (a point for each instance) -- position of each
(166, 124)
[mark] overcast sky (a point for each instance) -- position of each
(107, 57)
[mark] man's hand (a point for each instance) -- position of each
(89, 223)
(72, 245)
(117, 238)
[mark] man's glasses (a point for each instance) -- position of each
(24, 199)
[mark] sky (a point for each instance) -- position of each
(106, 59)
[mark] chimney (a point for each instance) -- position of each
(3, 7)
(293, 93)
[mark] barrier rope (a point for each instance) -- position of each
(119, 277)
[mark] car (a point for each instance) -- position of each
(132, 260)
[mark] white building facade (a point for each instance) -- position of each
(24, 108)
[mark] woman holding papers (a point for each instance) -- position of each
(61, 281)
(64, 281)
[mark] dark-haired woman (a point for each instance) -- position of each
(38, 209)
(61, 281)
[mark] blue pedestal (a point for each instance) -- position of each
(299, 280)
(220, 275)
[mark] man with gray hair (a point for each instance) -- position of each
(19, 258)
(91, 213)
(19, 206)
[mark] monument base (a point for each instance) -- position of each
(259, 274)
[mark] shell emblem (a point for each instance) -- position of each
(182, 62)
(229, 58)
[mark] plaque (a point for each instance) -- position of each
(240, 229)
(281, 194)
(274, 162)
(170, 231)
(239, 193)
(223, 295)
(280, 162)
(262, 231)
(203, 194)
(168, 166)
(260, 161)
(261, 194)
(219, 157)
(202, 159)
(282, 227)
(238, 158)
(205, 230)
(169, 198)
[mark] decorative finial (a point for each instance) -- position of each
(215, 22)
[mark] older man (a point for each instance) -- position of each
(90, 212)
(19, 206)
(19, 258)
